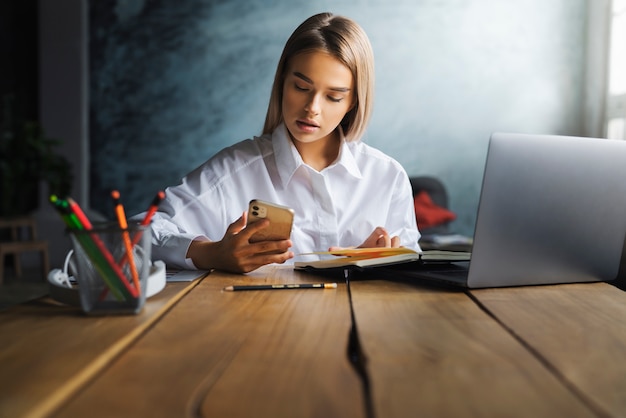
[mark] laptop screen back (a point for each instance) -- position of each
(552, 210)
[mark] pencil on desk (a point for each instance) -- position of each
(282, 286)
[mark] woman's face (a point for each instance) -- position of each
(317, 93)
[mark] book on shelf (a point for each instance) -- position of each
(372, 257)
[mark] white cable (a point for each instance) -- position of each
(67, 261)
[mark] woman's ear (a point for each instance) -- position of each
(353, 104)
(348, 118)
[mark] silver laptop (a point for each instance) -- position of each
(552, 210)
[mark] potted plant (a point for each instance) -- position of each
(28, 158)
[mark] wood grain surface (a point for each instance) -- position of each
(579, 332)
(271, 353)
(197, 350)
(48, 351)
(436, 353)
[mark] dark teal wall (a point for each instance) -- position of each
(172, 82)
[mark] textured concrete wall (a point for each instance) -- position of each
(172, 82)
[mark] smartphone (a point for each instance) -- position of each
(280, 217)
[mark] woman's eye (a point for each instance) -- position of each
(300, 88)
(335, 99)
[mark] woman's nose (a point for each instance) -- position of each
(313, 106)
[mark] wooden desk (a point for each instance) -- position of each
(198, 351)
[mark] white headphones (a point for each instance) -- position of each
(63, 285)
(62, 277)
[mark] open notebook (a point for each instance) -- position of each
(376, 257)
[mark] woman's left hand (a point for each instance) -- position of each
(380, 238)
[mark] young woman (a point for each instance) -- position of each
(310, 158)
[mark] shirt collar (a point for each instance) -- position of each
(346, 157)
(288, 160)
(287, 157)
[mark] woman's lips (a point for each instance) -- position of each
(307, 126)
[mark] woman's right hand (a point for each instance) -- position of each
(235, 253)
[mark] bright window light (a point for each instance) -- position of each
(616, 128)
(617, 64)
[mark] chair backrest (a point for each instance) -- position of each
(439, 196)
(433, 186)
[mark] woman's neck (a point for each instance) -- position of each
(321, 153)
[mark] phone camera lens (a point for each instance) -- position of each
(255, 213)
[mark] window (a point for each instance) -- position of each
(616, 103)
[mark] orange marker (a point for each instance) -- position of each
(121, 218)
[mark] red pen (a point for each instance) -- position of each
(146, 220)
(154, 205)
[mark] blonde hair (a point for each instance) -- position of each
(345, 40)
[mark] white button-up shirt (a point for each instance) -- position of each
(338, 206)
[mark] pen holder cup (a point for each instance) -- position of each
(109, 281)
